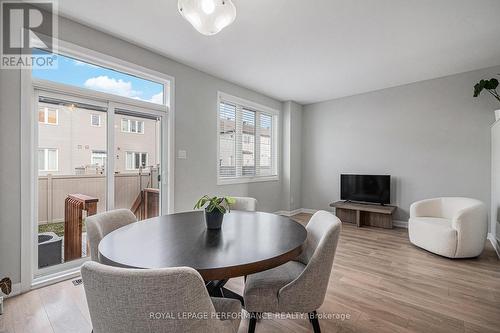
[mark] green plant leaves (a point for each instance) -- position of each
(222, 204)
(479, 87)
(488, 85)
(491, 84)
(6, 285)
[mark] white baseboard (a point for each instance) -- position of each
(295, 211)
(288, 212)
(308, 210)
(495, 242)
(396, 223)
(400, 224)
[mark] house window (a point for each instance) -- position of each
(95, 120)
(247, 141)
(48, 115)
(98, 158)
(132, 126)
(135, 160)
(47, 159)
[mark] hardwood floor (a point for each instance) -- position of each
(379, 280)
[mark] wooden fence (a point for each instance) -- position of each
(53, 190)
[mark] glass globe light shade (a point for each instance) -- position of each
(208, 16)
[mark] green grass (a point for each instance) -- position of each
(57, 228)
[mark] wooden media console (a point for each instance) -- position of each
(364, 214)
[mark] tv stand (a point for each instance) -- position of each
(363, 214)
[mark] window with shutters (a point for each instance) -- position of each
(247, 141)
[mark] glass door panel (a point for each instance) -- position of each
(137, 164)
(71, 170)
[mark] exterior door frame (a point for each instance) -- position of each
(29, 88)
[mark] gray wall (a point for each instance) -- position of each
(195, 123)
(433, 137)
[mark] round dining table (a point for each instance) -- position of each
(247, 243)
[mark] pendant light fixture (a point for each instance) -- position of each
(208, 16)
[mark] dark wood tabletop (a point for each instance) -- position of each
(248, 242)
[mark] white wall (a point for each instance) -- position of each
(433, 137)
(196, 132)
(495, 181)
(292, 152)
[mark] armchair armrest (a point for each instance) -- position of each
(470, 219)
(471, 224)
(426, 208)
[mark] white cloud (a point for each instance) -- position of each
(113, 86)
(157, 98)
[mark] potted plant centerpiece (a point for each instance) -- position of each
(491, 87)
(215, 208)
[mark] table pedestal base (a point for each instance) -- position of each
(216, 289)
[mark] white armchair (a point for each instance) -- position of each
(452, 227)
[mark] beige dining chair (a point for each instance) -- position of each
(245, 203)
(297, 286)
(155, 301)
(102, 224)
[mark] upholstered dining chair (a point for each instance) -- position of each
(245, 203)
(155, 301)
(297, 286)
(100, 225)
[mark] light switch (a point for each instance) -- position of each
(182, 154)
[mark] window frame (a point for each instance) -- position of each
(129, 125)
(91, 118)
(46, 160)
(259, 109)
(98, 152)
(46, 116)
(31, 276)
(135, 154)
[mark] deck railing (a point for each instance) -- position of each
(74, 205)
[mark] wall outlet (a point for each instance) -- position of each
(182, 154)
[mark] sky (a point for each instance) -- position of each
(85, 75)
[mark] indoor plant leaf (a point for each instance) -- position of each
(6, 286)
(491, 84)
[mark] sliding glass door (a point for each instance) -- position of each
(92, 155)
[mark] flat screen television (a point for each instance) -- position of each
(366, 188)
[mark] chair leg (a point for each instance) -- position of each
(252, 323)
(313, 318)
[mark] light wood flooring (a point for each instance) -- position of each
(379, 279)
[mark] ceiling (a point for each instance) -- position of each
(313, 50)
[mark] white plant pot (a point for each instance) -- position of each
(497, 114)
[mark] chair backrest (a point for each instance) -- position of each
(451, 206)
(147, 300)
(245, 203)
(102, 224)
(309, 288)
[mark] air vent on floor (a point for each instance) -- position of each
(77, 282)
